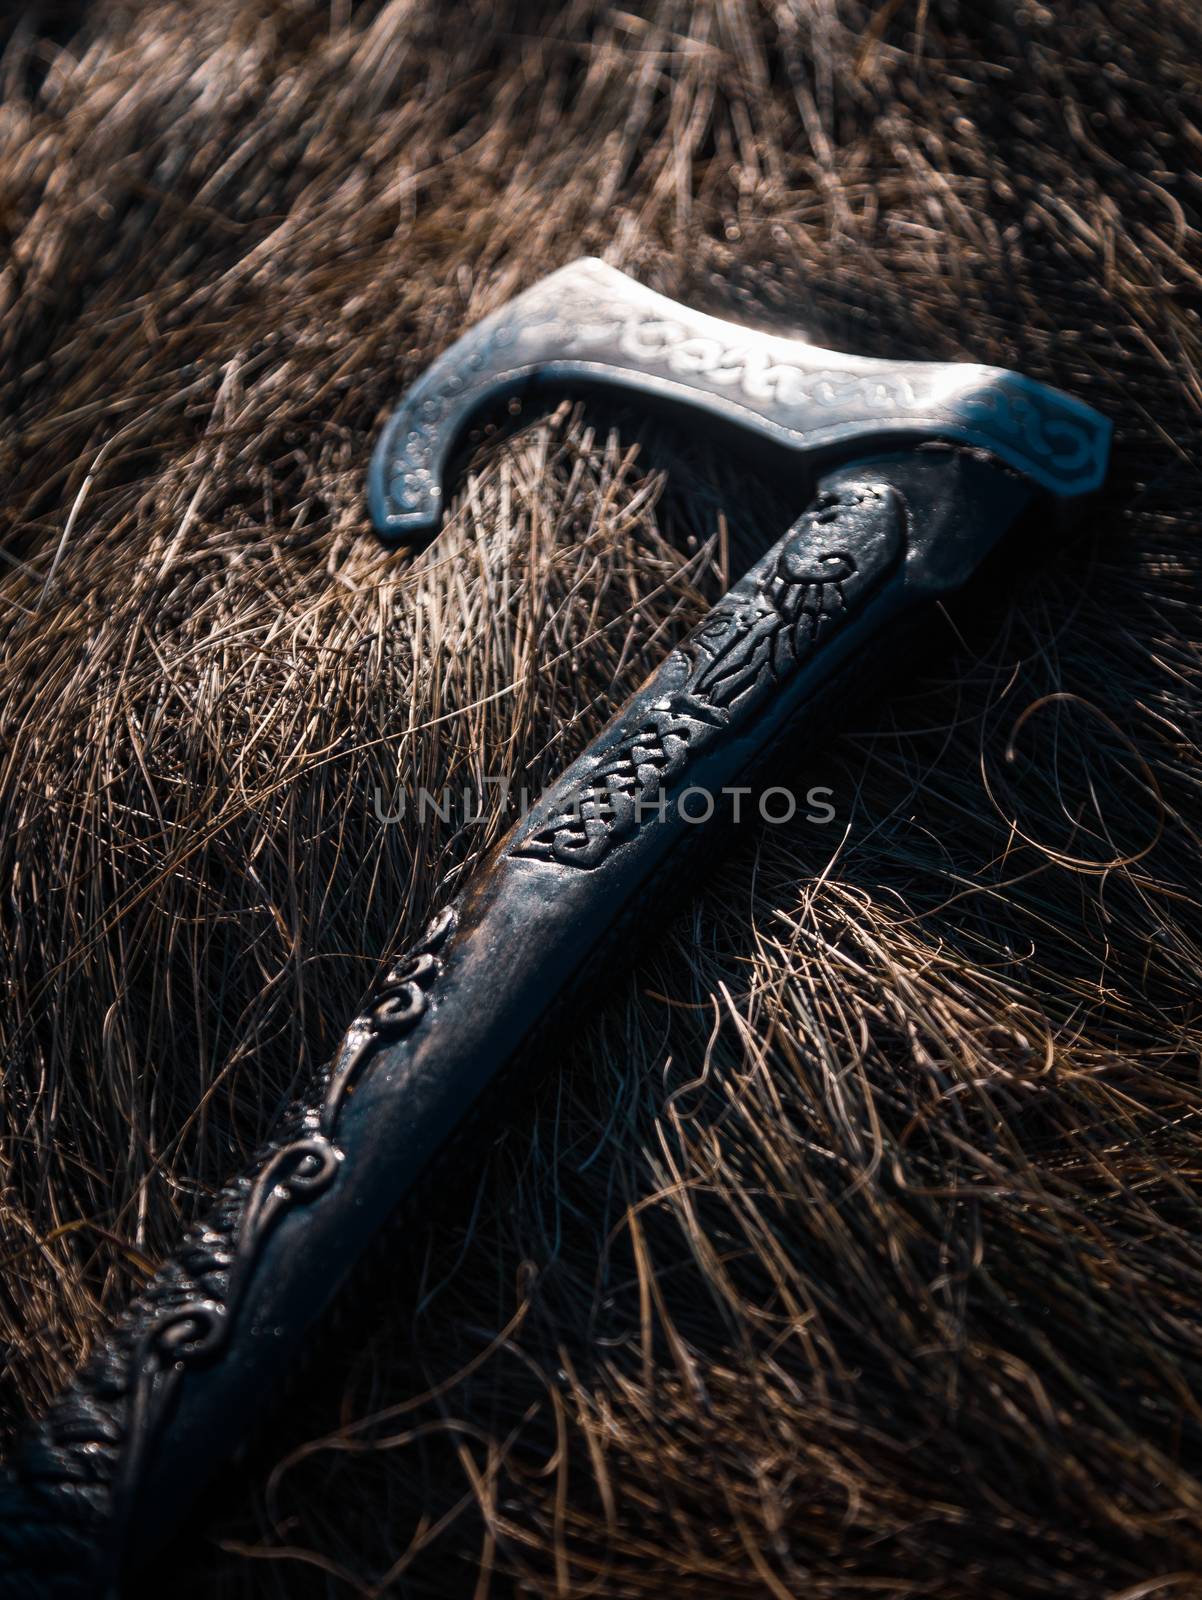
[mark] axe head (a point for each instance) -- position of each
(589, 324)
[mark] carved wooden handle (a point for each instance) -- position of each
(161, 1401)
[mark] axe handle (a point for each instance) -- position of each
(176, 1386)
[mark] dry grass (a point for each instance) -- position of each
(852, 1249)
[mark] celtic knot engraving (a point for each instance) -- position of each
(578, 322)
(750, 644)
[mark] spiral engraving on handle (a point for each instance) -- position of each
(84, 1462)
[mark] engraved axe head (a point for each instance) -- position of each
(589, 324)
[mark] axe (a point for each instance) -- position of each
(914, 471)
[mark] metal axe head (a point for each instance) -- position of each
(589, 324)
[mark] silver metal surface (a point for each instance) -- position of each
(590, 323)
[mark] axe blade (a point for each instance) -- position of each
(589, 324)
